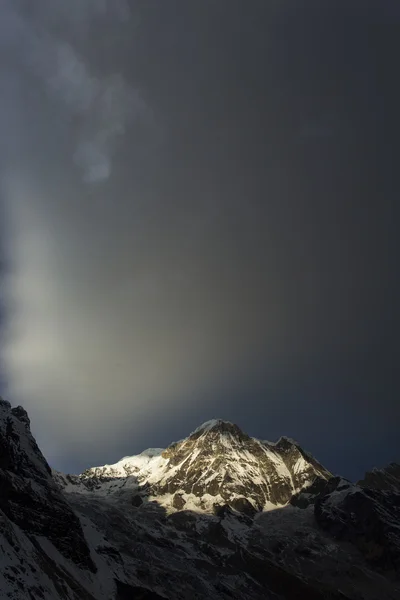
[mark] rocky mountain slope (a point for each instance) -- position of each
(218, 515)
(39, 531)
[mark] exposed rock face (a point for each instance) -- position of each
(28, 494)
(242, 505)
(178, 501)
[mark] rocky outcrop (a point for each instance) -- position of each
(242, 505)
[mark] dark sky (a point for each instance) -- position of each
(199, 207)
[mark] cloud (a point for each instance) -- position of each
(96, 104)
(104, 104)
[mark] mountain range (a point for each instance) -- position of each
(217, 515)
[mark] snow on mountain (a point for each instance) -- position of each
(148, 461)
(216, 464)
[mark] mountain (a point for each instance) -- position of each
(217, 464)
(218, 515)
(37, 523)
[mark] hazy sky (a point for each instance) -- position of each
(199, 214)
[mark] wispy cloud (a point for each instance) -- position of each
(98, 105)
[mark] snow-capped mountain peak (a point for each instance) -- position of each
(216, 424)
